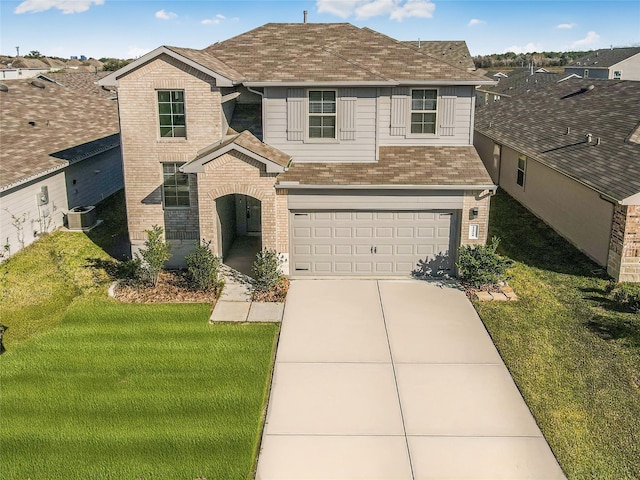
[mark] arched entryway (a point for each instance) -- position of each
(239, 230)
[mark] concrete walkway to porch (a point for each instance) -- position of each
(394, 379)
(234, 304)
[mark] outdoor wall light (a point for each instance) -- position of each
(473, 213)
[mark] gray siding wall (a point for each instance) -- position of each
(21, 203)
(94, 179)
(593, 72)
(366, 119)
(489, 152)
(454, 120)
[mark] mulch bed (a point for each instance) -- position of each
(278, 295)
(173, 287)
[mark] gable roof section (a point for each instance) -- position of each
(536, 125)
(604, 58)
(305, 53)
(275, 160)
(521, 81)
(398, 167)
(63, 120)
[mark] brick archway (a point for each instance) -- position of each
(236, 188)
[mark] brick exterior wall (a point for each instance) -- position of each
(474, 199)
(235, 172)
(144, 151)
(624, 250)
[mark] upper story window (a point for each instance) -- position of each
(175, 186)
(617, 74)
(322, 114)
(171, 112)
(423, 110)
(586, 73)
(522, 170)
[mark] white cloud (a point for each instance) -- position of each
(213, 21)
(162, 15)
(475, 21)
(528, 48)
(67, 6)
(396, 9)
(135, 51)
(592, 37)
(566, 26)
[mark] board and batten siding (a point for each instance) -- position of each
(454, 117)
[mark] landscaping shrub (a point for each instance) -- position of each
(154, 255)
(627, 295)
(203, 266)
(480, 265)
(266, 270)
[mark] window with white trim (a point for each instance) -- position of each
(175, 186)
(423, 110)
(171, 113)
(586, 73)
(617, 74)
(522, 170)
(322, 114)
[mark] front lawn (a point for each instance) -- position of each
(94, 388)
(572, 352)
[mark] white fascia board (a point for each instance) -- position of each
(293, 186)
(198, 165)
(111, 80)
(381, 83)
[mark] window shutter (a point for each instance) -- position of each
(295, 113)
(399, 103)
(348, 103)
(447, 111)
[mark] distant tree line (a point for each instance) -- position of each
(113, 64)
(541, 59)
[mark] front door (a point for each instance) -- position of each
(254, 215)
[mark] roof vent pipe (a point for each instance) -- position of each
(597, 140)
(305, 16)
(419, 44)
(568, 131)
(588, 137)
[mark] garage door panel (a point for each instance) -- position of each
(368, 242)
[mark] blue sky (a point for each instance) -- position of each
(125, 29)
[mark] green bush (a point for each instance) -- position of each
(480, 265)
(627, 295)
(203, 266)
(266, 270)
(154, 255)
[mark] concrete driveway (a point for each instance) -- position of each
(394, 379)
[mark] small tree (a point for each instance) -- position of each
(154, 255)
(266, 270)
(203, 266)
(480, 265)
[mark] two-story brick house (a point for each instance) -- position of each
(349, 152)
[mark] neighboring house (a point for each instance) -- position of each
(347, 151)
(60, 149)
(570, 153)
(522, 80)
(80, 81)
(609, 63)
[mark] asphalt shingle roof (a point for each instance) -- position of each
(605, 58)
(536, 125)
(522, 81)
(312, 52)
(62, 118)
(82, 81)
(454, 52)
(398, 166)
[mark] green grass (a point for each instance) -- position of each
(93, 388)
(572, 352)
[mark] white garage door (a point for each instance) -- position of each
(370, 242)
